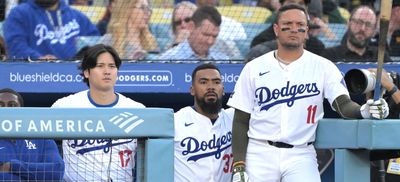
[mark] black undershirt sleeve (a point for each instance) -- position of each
(240, 139)
(347, 108)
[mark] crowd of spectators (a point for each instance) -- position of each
(55, 27)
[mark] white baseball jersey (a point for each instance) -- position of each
(286, 101)
(203, 150)
(92, 159)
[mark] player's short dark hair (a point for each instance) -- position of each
(89, 60)
(209, 13)
(11, 91)
(291, 6)
(203, 67)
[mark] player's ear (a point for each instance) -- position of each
(86, 73)
(307, 34)
(275, 26)
(192, 91)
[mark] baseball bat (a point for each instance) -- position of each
(386, 11)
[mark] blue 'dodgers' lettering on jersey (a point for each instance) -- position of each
(214, 147)
(106, 145)
(287, 94)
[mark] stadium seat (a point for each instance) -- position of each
(345, 13)
(162, 33)
(253, 29)
(94, 13)
(162, 43)
(243, 46)
(245, 14)
(339, 29)
(83, 41)
(161, 15)
(160, 30)
(162, 3)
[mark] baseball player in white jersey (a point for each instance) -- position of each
(99, 159)
(278, 100)
(203, 132)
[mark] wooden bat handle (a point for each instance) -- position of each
(386, 11)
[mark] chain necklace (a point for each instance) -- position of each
(283, 64)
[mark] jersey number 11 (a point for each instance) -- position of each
(312, 109)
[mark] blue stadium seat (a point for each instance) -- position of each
(162, 42)
(161, 30)
(243, 46)
(83, 41)
(339, 29)
(253, 29)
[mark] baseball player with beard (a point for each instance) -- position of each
(99, 159)
(278, 100)
(203, 132)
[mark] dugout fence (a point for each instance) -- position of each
(153, 127)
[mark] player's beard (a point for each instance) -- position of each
(291, 46)
(357, 43)
(210, 106)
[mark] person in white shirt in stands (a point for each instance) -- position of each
(204, 29)
(230, 28)
(181, 18)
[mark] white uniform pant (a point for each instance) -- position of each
(266, 163)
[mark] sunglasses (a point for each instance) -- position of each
(179, 22)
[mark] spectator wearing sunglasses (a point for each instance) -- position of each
(183, 24)
(128, 31)
(182, 16)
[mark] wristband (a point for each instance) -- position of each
(391, 92)
(239, 163)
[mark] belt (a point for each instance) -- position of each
(284, 145)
